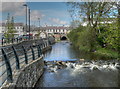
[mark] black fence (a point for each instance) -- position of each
(13, 58)
(6, 41)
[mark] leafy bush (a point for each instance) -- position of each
(83, 37)
(109, 35)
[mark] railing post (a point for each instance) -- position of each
(8, 67)
(12, 40)
(25, 53)
(38, 47)
(33, 54)
(2, 41)
(43, 44)
(17, 40)
(17, 58)
(47, 43)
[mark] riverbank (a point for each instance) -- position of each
(107, 53)
(104, 52)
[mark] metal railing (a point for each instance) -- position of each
(14, 58)
(6, 41)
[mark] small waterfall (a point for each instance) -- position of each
(81, 66)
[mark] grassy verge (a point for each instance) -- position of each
(107, 52)
(101, 52)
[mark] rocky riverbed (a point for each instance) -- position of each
(81, 73)
(101, 65)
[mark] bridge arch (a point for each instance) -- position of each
(63, 37)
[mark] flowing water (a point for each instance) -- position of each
(73, 72)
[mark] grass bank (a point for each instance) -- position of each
(102, 52)
(107, 52)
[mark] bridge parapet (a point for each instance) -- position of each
(22, 64)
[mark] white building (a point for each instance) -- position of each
(18, 27)
(102, 21)
(50, 30)
(56, 29)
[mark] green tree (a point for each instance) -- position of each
(10, 27)
(93, 11)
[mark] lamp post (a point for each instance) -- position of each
(29, 24)
(26, 16)
(39, 23)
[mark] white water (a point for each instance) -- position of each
(82, 73)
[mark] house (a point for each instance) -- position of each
(18, 27)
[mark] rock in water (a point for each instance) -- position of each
(94, 68)
(64, 64)
(81, 60)
(59, 62)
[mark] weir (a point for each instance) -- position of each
(65, 67)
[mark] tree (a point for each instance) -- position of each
(92, 11)
(95, 13)
(10, 27)
(74, 24)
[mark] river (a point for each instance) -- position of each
(78, 73)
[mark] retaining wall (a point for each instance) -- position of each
(28, 75)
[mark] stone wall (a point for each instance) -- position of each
(28, 75)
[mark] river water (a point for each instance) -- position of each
(77, 73)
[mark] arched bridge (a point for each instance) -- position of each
(59, 33)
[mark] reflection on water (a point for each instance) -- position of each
(64, 51)
(75, 78)
(86, 73)
(61, 51)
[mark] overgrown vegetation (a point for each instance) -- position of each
(106, 42)
(100, 38)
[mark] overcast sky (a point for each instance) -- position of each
(50, 13)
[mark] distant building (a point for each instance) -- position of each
(18, 27)
(56, 30)
(50, 30)
(101, 21)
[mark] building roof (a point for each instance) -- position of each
(103, 19)
(15, 24)
(55, 27)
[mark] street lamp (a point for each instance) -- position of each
(29, 24)
(26, 15)
(39, 23)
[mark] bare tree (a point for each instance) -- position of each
(92, 11)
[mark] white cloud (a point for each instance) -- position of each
(13, 0)
(35, 14)
(58, 21)
(18, 9)
(12, 6)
